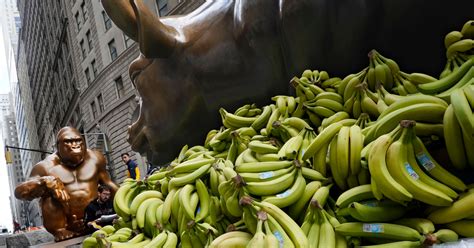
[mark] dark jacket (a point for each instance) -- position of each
(95, 210)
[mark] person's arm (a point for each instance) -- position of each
(137, 172)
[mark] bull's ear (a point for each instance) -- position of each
(156, 39)
(121, 12)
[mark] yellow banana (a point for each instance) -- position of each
(273, 186)
(287, 223)
(290, 195)
(356, 143)
(460, 209)
(400, 168)
(324, 137)
(380, 174)
(296, 209)
(231, 239)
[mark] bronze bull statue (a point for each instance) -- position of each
(230, 52)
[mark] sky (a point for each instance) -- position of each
(5, 212)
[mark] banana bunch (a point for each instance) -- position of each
(362, 100)
(344, 157)
(320, 230)
(230, 192)
(325, 104)
(331, 84)
(399, 161)
(381, 70)
(405, 84)
(286, 105)
(305, 89)
(283, 227)
(460, 42)
(124, 197)
(263, 236)
(315, 76)
(424, 109)
(359, 203)
(458, 126)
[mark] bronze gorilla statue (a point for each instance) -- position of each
(230, 52)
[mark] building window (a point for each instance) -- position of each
(94, 110)
(88, 76)
(83, 49)
(120, 88)
(127, 40)
(89, 39)
(162, 7)
(107, 21)
(78, 21)
(84, 11)
(94, 68)
(113, 50)
(101, 102)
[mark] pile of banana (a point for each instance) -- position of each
(345, 162)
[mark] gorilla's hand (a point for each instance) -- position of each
(56, 187)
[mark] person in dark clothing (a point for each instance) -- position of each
(132, 167)
(100, 211)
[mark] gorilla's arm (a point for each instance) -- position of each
(39, 184)
(103, 175)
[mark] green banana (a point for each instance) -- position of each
(378, 230)
(359, 193)
(296, 209)
(446, 235)
(189, 178)
(464, 228)
(372, 212)
(446, 82)
(138, 200)
(424, 226)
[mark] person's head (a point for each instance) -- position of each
(104, 193)
(125, 157)
(70, 145)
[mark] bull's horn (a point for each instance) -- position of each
(121, 12)
(156, 39)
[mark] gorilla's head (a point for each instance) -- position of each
(71, 147)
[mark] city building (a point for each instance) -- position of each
(107, 97)
(72, 66)
(14, 169)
